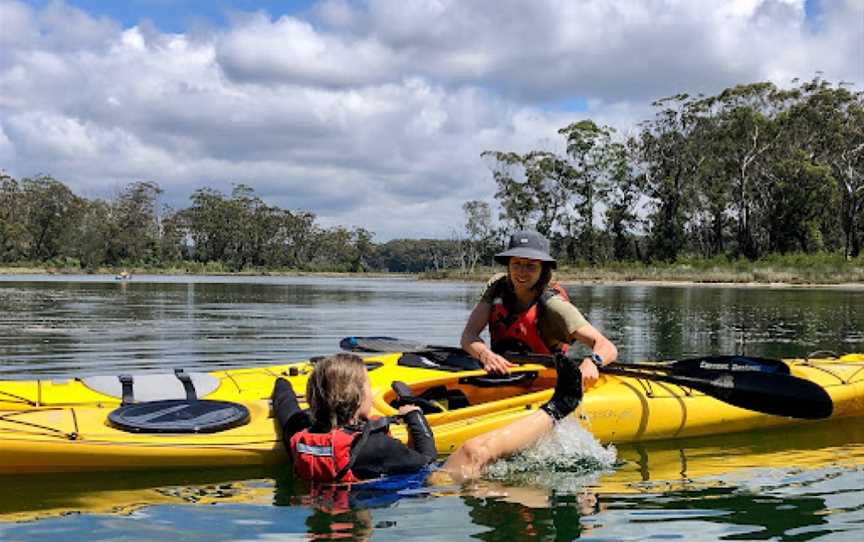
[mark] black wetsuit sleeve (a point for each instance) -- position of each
(382, 455)
(290, 417)
(421, 434)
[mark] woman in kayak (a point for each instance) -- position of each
(336, 441)
(527, 312)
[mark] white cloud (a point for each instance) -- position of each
(375, 114)
(291, 51)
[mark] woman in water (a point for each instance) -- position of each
(526, 311)
(337, 441)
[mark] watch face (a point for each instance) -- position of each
(597, 359)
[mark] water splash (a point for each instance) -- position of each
(567, 459)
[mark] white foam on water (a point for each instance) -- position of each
(567, 459)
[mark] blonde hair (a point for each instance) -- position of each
(335, 389)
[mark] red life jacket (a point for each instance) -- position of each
(326, 457)
(323, 457)
(509, 331)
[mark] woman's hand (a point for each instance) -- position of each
(495, 364)
(590, 373)
(405, 409)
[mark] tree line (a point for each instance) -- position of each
(42, 221)
(751, 171)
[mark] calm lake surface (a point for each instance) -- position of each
(800, 484)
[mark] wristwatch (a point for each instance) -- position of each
(597, 359)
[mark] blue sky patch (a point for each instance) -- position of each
(178, 15)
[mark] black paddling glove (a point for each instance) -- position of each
(568, 389)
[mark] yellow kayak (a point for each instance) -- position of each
(49, 426)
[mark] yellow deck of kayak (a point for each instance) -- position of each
(50, 426)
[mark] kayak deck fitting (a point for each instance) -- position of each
(53, 426)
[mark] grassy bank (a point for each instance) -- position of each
(784, 269)
(190, 268)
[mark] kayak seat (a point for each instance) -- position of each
(432, 401)
(153, 387)
(179, 416)
(450, 399)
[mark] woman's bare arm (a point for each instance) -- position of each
(474, 345)
(600, 345)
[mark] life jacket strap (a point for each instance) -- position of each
(370, 427)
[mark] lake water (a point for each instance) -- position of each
(800, 484)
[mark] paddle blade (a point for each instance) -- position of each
(392, 344)
(735, 364)
(378, 344)
(777, 394)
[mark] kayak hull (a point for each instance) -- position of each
(61, 427)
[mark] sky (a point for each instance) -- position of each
(370, 114)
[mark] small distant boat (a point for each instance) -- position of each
(123, 275)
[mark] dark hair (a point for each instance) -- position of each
(545, 278)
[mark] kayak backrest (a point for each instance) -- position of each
(153, 387)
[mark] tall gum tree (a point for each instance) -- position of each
(671, 160)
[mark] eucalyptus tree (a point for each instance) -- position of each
(480, 232)
(51, 211)
(589, 148)
(532, 188)
(12, 234)
(175, 236)
(799, 194)
(208, 220)
(671, 159)
(828, 125)
(514, 196)
(134, 212)
(622, 194)
(298, 237)
(250, 226)
(710, 201)
(96, 235)
(749, 133)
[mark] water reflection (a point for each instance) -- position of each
(673, 321)
(508, 520)
(726, 514)
(54, 327)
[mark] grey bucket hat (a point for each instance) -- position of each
(526, 244)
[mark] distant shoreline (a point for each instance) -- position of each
(598, 276)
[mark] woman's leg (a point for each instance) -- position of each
(469, 460)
